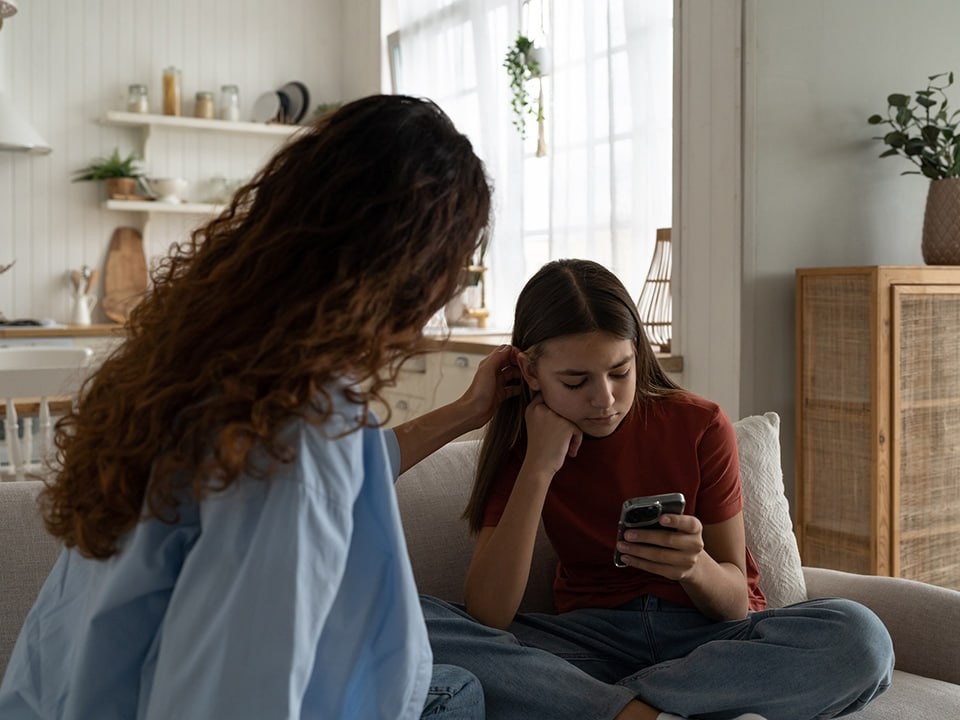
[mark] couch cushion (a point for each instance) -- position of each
(27, 553)
(766, 513)
(432, 496)
(913, 697)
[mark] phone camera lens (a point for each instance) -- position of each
(643, 514)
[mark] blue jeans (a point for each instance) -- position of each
(817, 659)
(454, 694)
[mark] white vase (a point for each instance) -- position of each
(82, 306)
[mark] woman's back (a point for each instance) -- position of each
(268, 581)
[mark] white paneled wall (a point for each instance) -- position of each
(65, 62)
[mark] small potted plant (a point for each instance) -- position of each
(923, 129)
(122, 175)
(524, 62)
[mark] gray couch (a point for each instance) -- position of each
(923, 620)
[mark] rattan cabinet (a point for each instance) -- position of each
(878, 420)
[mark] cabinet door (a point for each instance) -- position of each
(836, 449)
(926, 445)
(454, 372)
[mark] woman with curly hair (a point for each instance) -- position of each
(233, 546)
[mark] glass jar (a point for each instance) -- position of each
(229, 103)
(171, 91)
(137, 99)
(203, 108)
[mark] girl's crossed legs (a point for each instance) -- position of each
(821, 658)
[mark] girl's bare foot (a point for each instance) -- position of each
(636, 710)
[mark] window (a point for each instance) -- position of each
(605, 184)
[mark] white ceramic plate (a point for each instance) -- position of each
(299, 101)
(266, 108)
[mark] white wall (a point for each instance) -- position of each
(815, 193)
(64, 62)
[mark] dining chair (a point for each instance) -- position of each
(36, 378)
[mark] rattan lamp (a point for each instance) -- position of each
(655, 303)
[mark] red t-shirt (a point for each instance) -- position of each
(679, 443)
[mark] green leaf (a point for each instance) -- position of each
(930, 134)
(889, 153)
(875, 119)
(930, 172)
(895, 139)
(925, 101)
(904, 116)
(914, 146)
(898, 100)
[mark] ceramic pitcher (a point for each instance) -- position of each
(82, 305)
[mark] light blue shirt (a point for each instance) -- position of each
(286, 598)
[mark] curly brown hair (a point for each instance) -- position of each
(323, 270)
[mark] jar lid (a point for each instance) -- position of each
(204, 94)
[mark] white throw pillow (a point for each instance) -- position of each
(766, 513)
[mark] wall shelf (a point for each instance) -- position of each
(150, 206)
(144, 120)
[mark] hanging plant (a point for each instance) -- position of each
(523, 65)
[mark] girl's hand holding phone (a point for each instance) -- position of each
(672, 553)
(550, 437)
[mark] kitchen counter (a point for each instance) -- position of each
(34, 331)
(466, 341)
(482, 343)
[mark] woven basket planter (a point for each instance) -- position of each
(941, 223)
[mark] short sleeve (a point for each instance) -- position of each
(720, 497)
(393, 452)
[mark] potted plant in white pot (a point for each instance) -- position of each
(525, 61)
(923, 129)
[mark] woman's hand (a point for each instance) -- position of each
(673, 553)
(497, 378)
(550, 437)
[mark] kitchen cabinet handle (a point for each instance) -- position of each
(461, 361)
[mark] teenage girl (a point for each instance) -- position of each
(683, 628)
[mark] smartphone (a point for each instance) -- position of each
(642, 512)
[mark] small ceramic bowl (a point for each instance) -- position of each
(169, 190)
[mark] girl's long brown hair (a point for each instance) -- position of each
(323, 269)
(564, 297)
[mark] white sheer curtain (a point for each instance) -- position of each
(605, 184)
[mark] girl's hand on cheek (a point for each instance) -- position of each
(550, 437)
(673, 555)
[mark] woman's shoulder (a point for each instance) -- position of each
(333, 456)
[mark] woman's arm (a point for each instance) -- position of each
(495, 380)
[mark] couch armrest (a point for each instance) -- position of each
(922, 619)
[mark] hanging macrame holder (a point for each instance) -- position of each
(541, 139)
(542, 56)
